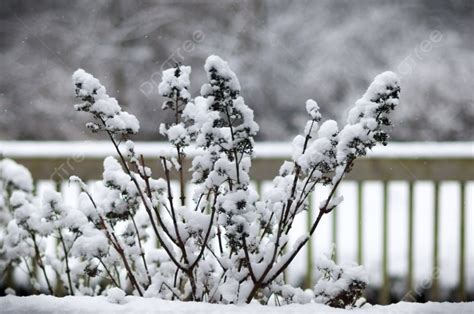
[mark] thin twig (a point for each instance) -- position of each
(40, 262)
(108, 272)
(66, 259)
(142, 252)
(247, 259)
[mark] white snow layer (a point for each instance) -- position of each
(222, 67)
(170, 81)
(132, 304)
(16, 175)
(101, 149)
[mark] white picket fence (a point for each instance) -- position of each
(407, 215)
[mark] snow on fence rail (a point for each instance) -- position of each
(429, 218)
(397, 161)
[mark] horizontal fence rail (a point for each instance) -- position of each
(407, 162)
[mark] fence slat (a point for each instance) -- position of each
(462, 242)
(385, 293)
(410, 235)
(435, 286)
(258, 187)
(360, 226)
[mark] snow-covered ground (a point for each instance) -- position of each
(48, 304)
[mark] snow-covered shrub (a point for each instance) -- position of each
(32, 221)
(228, 244)
(339, 285)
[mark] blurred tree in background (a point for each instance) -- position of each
(283, 51)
